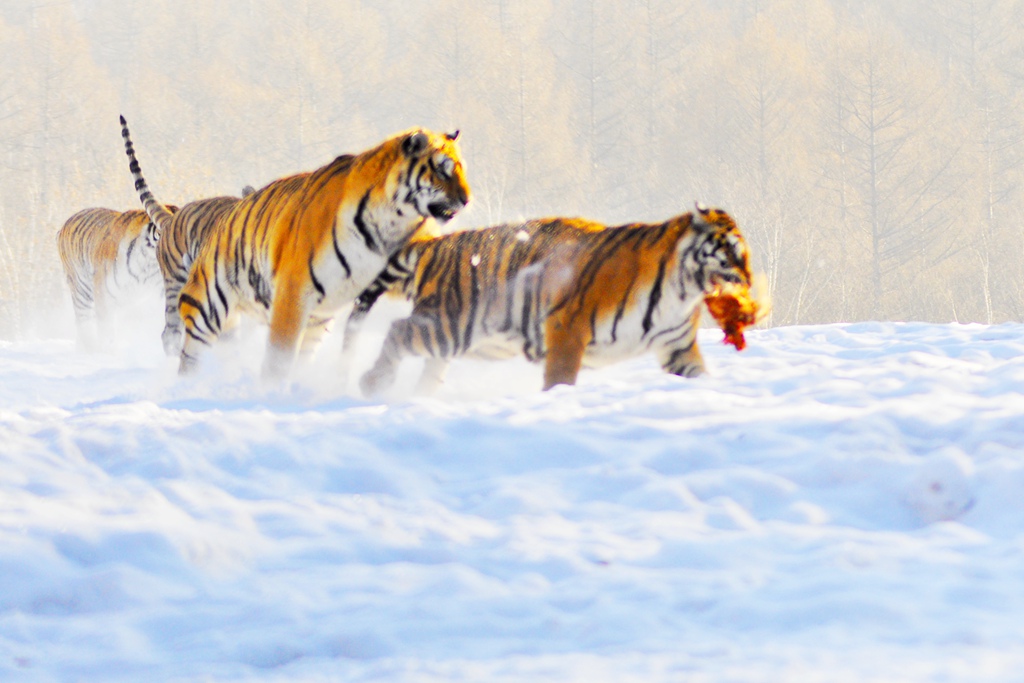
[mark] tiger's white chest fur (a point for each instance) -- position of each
(363, 252)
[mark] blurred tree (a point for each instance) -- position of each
(58, 97)
(983, 36)
(899, 144)
(871, 150)
(594, 43)
(755, 116)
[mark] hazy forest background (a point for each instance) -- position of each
(871, 150)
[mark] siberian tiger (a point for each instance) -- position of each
(568, 292)
(297, 250)
(105, 254)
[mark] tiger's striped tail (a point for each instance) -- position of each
(157, 212)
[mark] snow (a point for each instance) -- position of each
(835, 503)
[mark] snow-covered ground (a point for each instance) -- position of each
(836, 503)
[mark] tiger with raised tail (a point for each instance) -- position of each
(565, 292)
(181, 234)
(106, 255)
(297, 250)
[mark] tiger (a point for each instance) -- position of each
(181, 234)
(567, 292)
(105, 254)
(297, 250)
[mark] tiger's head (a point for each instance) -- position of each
(718, 256)
(435, 181)
(720, 268)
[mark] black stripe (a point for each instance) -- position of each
(188, 299)
(361, 223)
(235, 272)
(432, 263)
(654, 298)
(316, 283)
(672, 365)
(214, 314)
(407, 328)
(621, 310)
(217, 288)
(440, 345)
(524, 321)
(189, 332)
(474, 304)
(223, 299)
(337, 250)
(685, 330)
(453, 310)
(128, 258)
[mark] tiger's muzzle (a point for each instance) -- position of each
(444, 211)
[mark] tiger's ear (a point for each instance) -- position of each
(700, 217)
(414, 144)
(453, 136)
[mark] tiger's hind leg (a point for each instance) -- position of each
(172, 334)
(202, 317)
(102, 312)
(80, 286)
(86, 337)
(174, 331)
(566, 340)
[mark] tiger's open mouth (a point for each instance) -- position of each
(442, 211)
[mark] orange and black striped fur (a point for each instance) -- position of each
(105, 253)
(181, 234)
(297, 250)
(567, 292)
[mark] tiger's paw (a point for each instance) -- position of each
(172, 339)
(689, 371)
(374, 382)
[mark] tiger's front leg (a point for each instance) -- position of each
(405, 338)
(684, 362)
(684, 358)
(353, 328)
